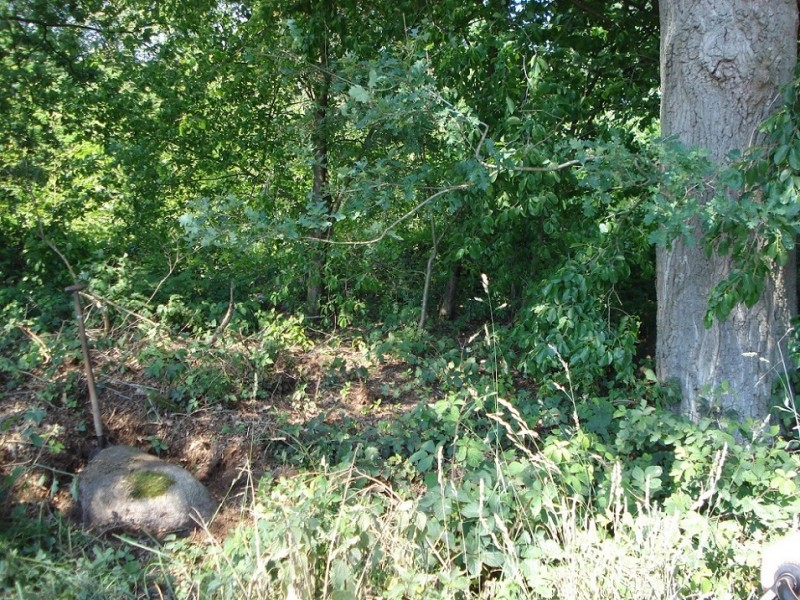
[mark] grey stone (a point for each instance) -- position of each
(125, 488)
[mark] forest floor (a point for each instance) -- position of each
(49, 438)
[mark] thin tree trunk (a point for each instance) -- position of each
(722, 64)
(428, 274)
(319, 193)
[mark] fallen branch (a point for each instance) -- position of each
(96, 298)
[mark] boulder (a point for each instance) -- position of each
(125, 488)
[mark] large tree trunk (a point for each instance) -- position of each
(722, 64)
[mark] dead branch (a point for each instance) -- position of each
(39, 341)
(96, 298)
(172, 265)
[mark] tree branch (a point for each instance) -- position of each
(428, 274)
(46, 25)
(408, 215)
(39, 341)
(53, 247)
(95, 298)
(549, 169)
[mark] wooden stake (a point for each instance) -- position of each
(98, 425)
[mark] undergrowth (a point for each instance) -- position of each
(553, 518)
(487, 487)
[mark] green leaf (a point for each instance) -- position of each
(510, 106)
(794, 158)
(359, 94)
(425, 463)
(471, 511)
(780, 155)
(516, 468)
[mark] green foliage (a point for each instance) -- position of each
(191, 375)
(337, 532)
(180, 154)
(470, 494)
(667, 499)
(43, 556)
(418, 147)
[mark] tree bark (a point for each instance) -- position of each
(447, 310)
(722, 64)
